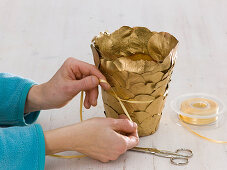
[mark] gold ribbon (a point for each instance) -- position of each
(81, 119)
(68, 157)
(201, 136)
(196, 121)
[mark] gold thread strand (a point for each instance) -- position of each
(196, 121)
(68, 157)
(81, 105)
(103, 81)
(136, 102)
(122, 105)
(81, 119)
(201, 136)
(131, 101)
(124, 100)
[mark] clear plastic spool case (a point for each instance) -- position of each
(206, 110)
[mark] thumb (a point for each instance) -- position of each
(86, 83)
(124, 125)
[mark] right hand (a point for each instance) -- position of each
(98, 138)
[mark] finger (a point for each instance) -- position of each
(124, 125)
(135, 133)
(93, 95)
(122, 116)
(85, 84)
(88, 69)
(131, 141)
(105, 86)
(87, 105)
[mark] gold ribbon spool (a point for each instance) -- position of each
(201, 107)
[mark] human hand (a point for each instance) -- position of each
(73, 77)
(98, 138)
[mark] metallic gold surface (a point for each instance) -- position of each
(138, 64)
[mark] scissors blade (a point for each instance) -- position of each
(146, 150)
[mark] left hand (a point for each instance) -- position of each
(73, 76)
(103, 139)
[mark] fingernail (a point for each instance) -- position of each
(94, 102)
(106, 85)
(94, 80)
(134, 125)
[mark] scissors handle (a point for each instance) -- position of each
(180, 157)
(187, 153)
(179, 160)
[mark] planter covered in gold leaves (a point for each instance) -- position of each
(138, 65)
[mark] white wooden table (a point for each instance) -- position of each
(37, 36)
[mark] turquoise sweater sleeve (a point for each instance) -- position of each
(21, 146)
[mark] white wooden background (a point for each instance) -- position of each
(36, 36)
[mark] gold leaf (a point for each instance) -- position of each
(160, 45)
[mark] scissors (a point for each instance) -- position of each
(179, 157)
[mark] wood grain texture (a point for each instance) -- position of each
(37, 36)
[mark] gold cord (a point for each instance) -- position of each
(68, 157)
(196, 121)
(122, 105)
(81, 105)
(81, 119)
(201, 136)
